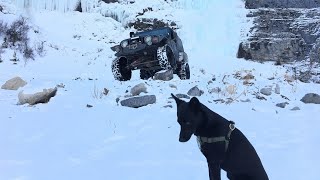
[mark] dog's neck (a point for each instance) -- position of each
(212, 124)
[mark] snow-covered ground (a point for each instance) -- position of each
(64, 139)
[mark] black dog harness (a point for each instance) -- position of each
(225, 139)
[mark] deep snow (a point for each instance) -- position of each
(66, 140)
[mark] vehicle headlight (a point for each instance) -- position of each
(124, 43)
(147, 39)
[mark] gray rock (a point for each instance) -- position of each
(136, 102)
(14, 84)
(164, 75)
(282, 105)
(277, 89)
(245, 100)
(137, 89)
(168, 106)
(173, 86)
(180, 96)
(39, 97)
(312, 98)
(195, 91)
(266, 91)
(295, 108)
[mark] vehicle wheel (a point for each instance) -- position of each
(144, 74)
(184, 71)
(119, 70)
(164, 56)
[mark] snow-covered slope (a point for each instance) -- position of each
(64, 139)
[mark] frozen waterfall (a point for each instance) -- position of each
(55, 5)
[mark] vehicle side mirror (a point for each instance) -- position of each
(131, 34)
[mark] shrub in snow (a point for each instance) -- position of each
(15, 36)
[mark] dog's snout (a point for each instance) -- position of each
(182, 139)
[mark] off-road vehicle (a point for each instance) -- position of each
(150, 51)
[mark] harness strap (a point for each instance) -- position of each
(225, 139)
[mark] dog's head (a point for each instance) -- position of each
(189, 117)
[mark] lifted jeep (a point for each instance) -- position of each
(150, 51)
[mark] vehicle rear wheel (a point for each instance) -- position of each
(184, 71)
(119, 70)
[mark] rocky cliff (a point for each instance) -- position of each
(283, 31)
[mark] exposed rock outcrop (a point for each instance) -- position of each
(280, 33)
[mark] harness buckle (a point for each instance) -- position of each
(232, 126)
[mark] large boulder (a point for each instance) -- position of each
(311, 98)
(14, 84)
(39, 97)
(136, 102)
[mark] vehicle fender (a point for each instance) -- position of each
(174, 49)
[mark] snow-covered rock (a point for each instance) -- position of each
(14, 84)
(266, 91)
(312, 98)
(39, 97)
(164, 75)
(136, 102)
(282, 105)
(139, 88)
(195, 91)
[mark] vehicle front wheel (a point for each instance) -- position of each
(119, 70)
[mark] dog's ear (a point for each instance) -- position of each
(178, 101)
(194, 104)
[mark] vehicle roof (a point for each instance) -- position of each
(163, 30)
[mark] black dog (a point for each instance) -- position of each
(223, 145)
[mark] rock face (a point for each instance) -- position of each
(312, 98)
(137, 89)
(39, 97)
(253, 4)
(136, 102)
(281, 35)
(14, 84)
(164, 75)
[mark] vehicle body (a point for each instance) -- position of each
(150, 51)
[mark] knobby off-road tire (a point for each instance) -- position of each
(184, 71)
(119, 70)
(162, 56)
